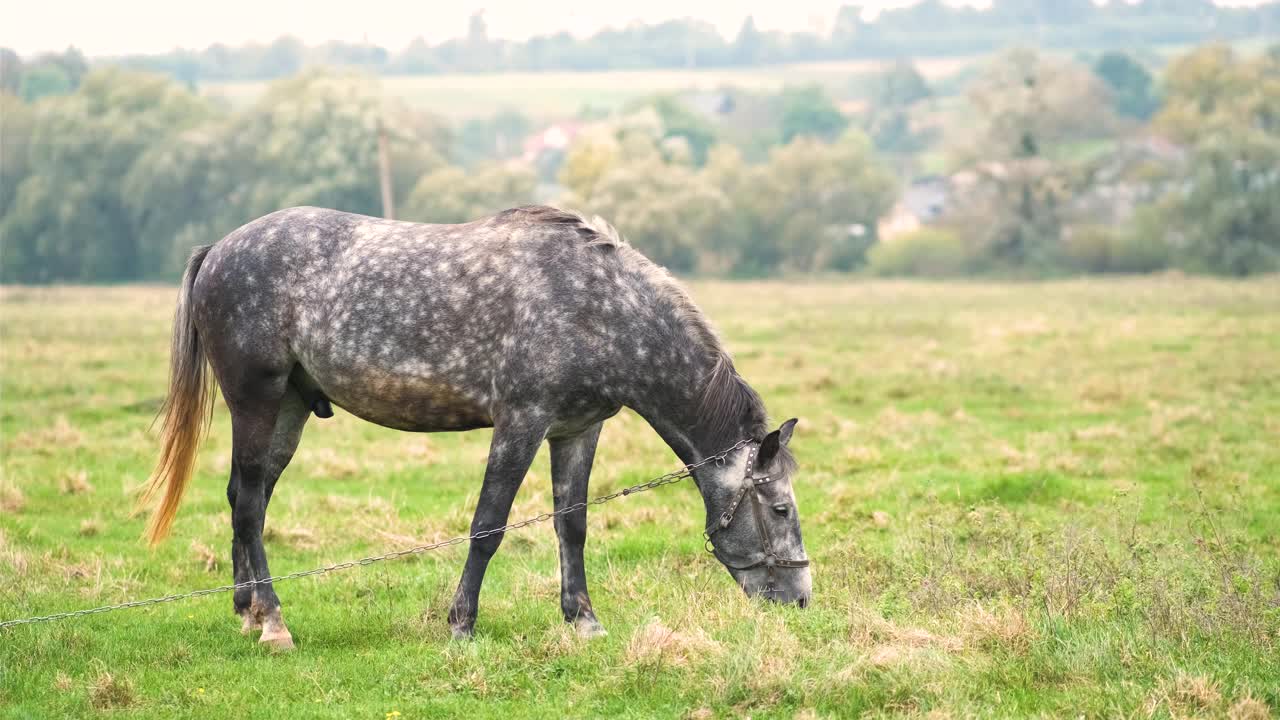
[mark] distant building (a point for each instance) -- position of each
(553, 138)
(855, 108)
(712, 104)
(923, 202)
(1135, 173)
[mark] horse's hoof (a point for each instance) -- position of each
(587, 627)
(279, 641)
(249, 624)
(462, 633)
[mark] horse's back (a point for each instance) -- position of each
(388, 318)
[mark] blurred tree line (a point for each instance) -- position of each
(927, 28)
(1058, 170)
(810, 206)
(1043, 165)
(118, 179)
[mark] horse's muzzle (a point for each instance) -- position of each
(789, 587)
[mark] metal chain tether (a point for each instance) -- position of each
(671, 477)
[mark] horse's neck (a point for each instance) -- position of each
(672, 407)
(691, 445)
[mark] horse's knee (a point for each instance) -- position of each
(572, 529)
(486, 546)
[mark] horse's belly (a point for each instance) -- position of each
(405, 398)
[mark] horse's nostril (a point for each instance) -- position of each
(803, 601)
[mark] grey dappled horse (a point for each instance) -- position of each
(536, 322)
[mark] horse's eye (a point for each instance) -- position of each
(782, 509)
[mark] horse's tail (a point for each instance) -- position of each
(187, 409)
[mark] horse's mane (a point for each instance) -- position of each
(596, 231)
(729, 406)
(729, 410)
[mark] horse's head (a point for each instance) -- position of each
(753, 525)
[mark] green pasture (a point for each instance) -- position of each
(1021, 500)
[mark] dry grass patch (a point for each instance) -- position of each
(204, 556)
(892, 422)
(1184, 696)
(11, 499)
(1197, 691)
(11, 556)
(1003, 627)
(889, 655)
(540, 585)
(377, 520)
(656, 644)
(1105, 392)
(626, 517)
(860, 457)
(560, 640)
(1020, 328)
(1109, 431)
(867, 630)
(419, 449)
(61, 437)
(1249, 708)
(888, 644)
(293, 536)
(109, 691)
(1165, 416)
(533, 500)
(75, 483)
(371, 505)
(776, 667)
(77, 570)
(400, 539)
(325, 462)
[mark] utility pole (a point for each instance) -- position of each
(384, 174)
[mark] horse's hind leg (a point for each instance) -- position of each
(289, 423)
(510, 453)
(571, 460)
(266, 422)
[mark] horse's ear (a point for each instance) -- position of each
(775, 441)
(784, 432)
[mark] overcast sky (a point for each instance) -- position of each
(110, 27)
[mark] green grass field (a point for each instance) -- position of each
(1053, 500)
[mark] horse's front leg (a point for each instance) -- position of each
(510, 453)
(571, 460)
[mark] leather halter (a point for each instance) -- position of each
(751, 486)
